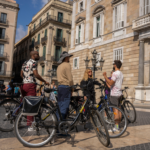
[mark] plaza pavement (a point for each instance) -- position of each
(136, 137)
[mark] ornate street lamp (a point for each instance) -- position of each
(94, 53)
(87, 62)
(101, 63)
(93, 61)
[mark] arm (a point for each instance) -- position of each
(21, 74)
(108, 81)
(35, 72)
(6, 88)
(108, 85)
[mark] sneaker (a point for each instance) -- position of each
(31, 129)
(114, 130)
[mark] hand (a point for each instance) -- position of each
(104, 74)
(46, 83)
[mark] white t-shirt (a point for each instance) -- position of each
(117, 77)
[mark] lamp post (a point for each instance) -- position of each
(94, 68)
(94, 62)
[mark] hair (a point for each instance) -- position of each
(118, 63)
(85, 77)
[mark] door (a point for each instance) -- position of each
(57, 53)
(45, 32)
(43, 69)
(59, 35)
(60, 17)
(3, 17)
(38, 38)
(2, 33)
(33, 42)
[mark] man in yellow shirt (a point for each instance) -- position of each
(65, 80)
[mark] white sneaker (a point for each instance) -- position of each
(114, 130)
(31, 129)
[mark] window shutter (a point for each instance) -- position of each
(77, 32)
(1, 49)
(84, 4)
(82, 32)
(114, 19)
(78, 62)
(141, 11)
(78, 7)
(122, 15)
(101, 25)
(94, 27)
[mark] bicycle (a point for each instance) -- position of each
(108, 111)
(48, 121)
(9, 108)
(128, 107)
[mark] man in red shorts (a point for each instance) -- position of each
(29, 73)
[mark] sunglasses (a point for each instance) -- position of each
(90, 71)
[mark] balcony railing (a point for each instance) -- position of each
(37, 44)
(42, 58)
(2, 21)
(51, 18)
(6, 73)
(3, 37)
(141, 23)
(59, 41)
(44, 40)
(3, 55)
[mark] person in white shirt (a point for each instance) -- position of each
(116, 92)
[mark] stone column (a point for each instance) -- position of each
(67, 46)
(141, 64)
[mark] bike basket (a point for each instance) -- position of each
(31, 105)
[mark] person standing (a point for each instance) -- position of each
(29, 73)
(116, 92)
(65, 80)
(53, 86)
(16, 91)
(9, 89)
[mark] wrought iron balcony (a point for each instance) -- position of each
(6, 73)
(3, 55)
(3, 38)
(37, 44)
(141, 23)
(42, 58)
(59, 41)
(52, 19)
(44, 40)
(2, 21)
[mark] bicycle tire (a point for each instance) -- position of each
(6, 104)
(100, 122)
(110, 121)
(20, 130)
(127, 113)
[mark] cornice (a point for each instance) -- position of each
(115, 1)
(10, 6)
(79, 19)
(97, 9)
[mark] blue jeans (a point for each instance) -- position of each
(64, 95)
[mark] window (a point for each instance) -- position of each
(1, 65)
(45, 33)
(38, 38)
(60, 17)
(2, 33)
(59, 35)
(57, 53)
(44, 52)
(37, 50)
(1, 49)
(80, 34)
(98, 58)
(81, 6)
(97, 0)
(76, 63)
(118, 54)
(98, 25)
(119, 16)
(54, 68)
(43, 69)
(144, 7)
(40, 21)
(34, 26)
(3, 17)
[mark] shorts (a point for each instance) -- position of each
(115, 100)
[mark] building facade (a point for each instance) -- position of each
(118, 30)
(49, 33)
(8, 22)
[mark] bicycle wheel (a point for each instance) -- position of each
(7, 118)
(100, 128)
(116, 125)
(129, 111)
(38, 130)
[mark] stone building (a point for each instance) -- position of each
(49, 33)
(117, 29)
(8, 22)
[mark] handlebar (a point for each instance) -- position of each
(103, 81)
